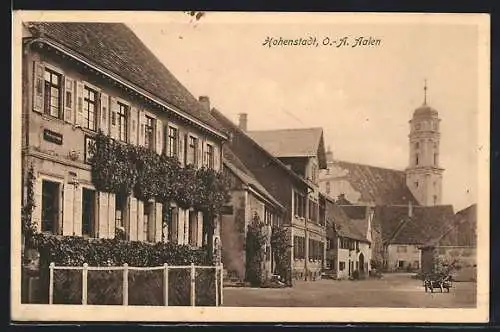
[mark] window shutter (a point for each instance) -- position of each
(141, 129)
(104, 113)
(69, 193)
(77, 218)
(159, 136)
(133, 118)
(38, 86)
(133, 219)
(140, 220)
(199, 236)
(102, 214)
(113, 128)
(37, 211)
(79, 103)
(158, 222)
(180, 225)
(111, 215)
(216, 157)
(69, 99)
(181, 141)
(200, 153)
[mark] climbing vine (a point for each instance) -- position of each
(29, 228)
(124, 169)
(281, 247)
(255, 255)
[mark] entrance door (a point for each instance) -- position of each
(88, 212)
(50, 207)
(361, 263)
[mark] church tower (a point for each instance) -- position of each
(423, 175)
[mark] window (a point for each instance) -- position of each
(88, 212)
(401, 264)
(299, 205)
(52, 98)
(209, 156)
(328, 187)
(299, 247)
(148, 222)
(120, 204)
(121, 121)
(268, 216)
(68, 98)
(341, 266)
(50, 207)
(192, 148)
(401, 249)
(149, 133)
(172, 225)
(172, 141)
(89, 108)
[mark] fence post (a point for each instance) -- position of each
(221, 283)
(84, 282)
(216, 286)
(165, 283)
(193, 284)
(125, 284)
(51, 283)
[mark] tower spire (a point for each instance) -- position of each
(425, 92)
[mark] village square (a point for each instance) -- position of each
(136, 192)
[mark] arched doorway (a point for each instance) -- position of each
(361, 263)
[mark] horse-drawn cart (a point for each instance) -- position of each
(437, 282)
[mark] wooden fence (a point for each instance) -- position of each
(217, 283)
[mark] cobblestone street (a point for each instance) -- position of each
(393, 290)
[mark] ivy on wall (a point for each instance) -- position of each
(28, 227)
(281, 247)
(255, 254)
(124, 169)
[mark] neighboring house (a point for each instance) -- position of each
(290, 181)
(79, 78)
(303, 151)
(405, 229)
(349, 240)
(456, 243)
(249, 198)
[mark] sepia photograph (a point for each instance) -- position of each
(218, 166)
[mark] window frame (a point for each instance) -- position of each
(47, 102)
(149, 132)
(209, 155)
(192, 157)
(86, 102)
(174, 140)
(119, 117)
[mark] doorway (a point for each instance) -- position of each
(50, 207)
(88, 212)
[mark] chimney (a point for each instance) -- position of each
(243, 121)
(205, 102)
(410, 209)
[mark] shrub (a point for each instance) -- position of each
(281, 247)
(255, 255)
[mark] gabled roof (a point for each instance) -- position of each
(423, 224)
(459, 231)
(115, 48)
(339, 222)
(232, 129)
(243, 173)
(380, 186)
(297, 142)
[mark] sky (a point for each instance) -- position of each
(362, 97)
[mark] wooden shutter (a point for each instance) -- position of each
(113, 128)
(69, 196)
(141, 124)
(102, 214)
(79, 103)
(111, 215)
(159, 136)
(77, 219)
(69, 99)
(180, 225)
(140, 220)
(199, 157)
(133, 219)
(38, 86)
(133, 120)
(158, 221)
(104, 113)
(217, 156)
(199, 236)
(37, 210)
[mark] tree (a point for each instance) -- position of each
(255, 255)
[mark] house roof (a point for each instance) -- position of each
(115, 48)
(296, 142)
(423, 224)
(459, 231)
(339, 222)
(243, 173)
(232, 129)
(380, 186)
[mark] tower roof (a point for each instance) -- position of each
(425, 110)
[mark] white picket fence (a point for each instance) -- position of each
(125, 268)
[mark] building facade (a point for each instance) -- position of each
(111, 84)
